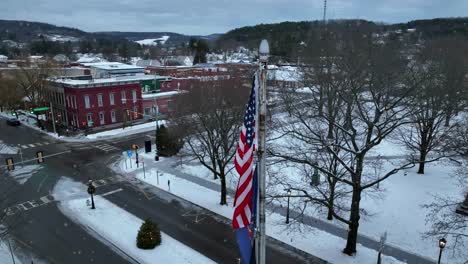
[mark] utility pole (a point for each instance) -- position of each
(53, 118)
(264, 50)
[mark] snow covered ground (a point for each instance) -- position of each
(397, 208)
(5, 254)
(22, 173)
(107, 218)
(329, 248)
(153, 42)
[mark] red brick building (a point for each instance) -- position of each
(93, 103)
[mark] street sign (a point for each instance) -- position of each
(129, 153)
(40, 109)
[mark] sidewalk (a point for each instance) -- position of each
(169, 164)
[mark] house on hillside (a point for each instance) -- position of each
(61, 58)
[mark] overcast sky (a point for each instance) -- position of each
(216, 16)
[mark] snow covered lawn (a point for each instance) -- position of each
(329, 247)
(121, 228)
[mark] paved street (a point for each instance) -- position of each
(37, 225)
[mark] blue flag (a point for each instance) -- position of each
(245, 235)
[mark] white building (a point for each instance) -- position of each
(113, 69)
(3, 58)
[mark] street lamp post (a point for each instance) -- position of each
(156, 157)
(287, 210)
(263, 51)
(91, 191)
(442, 243)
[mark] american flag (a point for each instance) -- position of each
(244, 164)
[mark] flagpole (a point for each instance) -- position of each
(264, 50)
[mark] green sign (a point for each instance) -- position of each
(41, 109)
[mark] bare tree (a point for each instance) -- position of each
(32, 80)
(442, 215)
(376, 103)
(435, 103)
(211, 117)
(10, 95)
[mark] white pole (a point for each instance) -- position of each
(264, 50)
(53, 118)
(21, 155)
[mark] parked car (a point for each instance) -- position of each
(13, 122)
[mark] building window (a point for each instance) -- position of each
(90, 119)
(147, 111)
(124, 98)
(134, 96)
(86, 101)
(101, 118)
(111, 98)
(113, 116)
(99, 100)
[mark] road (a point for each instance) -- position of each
(38, 226)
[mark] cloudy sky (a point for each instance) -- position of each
(216, 16)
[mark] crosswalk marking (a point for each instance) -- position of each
(71, 194)
(37, 144)
(106, 147)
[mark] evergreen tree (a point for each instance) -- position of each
(167, 143)
(149, 235)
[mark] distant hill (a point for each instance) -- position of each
(25, 31)
(173, 38)
(287, 37)
(437, 27)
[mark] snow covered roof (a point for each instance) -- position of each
(113, 80)
(89, 58)
(159, 95)
(111, 66)
(146, 63)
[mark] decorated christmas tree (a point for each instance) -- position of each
(149, 235)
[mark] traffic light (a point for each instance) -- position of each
(40, 156)
(128, 112)
(135, 115)
(135, 146)
(10, 164)
(31, 111)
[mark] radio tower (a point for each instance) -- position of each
(324, 11)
